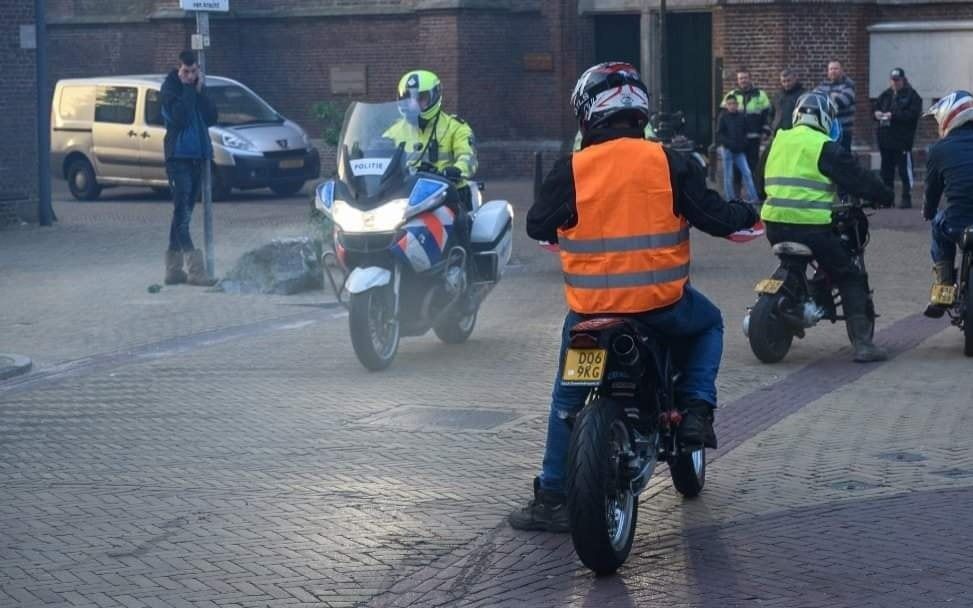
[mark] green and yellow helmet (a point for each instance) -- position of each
(423, 86)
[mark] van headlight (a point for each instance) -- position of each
(237, 142)
(306, 139)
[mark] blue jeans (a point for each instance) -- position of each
(947, 229)
(694, 326)
(185, 179)
(739, 160)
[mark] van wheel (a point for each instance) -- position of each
(82, 181)
(221, 190)
(287, 188)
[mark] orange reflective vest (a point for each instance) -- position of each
(629, 251)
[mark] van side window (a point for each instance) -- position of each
(116, 105)
(77, 103)
(153, 108)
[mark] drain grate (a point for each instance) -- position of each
(424, 418)
(902, 456)
(853, 485)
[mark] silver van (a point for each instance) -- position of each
(109, 132)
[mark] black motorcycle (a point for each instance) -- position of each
(628, 424)
(790, 302)
(958, 298)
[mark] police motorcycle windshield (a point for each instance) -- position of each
(377, 150)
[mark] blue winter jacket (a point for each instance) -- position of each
(949, 172)
(188, 116)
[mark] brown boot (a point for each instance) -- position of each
(174, 272)
(197, 270)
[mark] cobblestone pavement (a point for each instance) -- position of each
(200, 449)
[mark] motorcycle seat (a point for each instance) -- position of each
(794, 249)
(966, 241)
(619, 323)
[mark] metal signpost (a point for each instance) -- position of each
(45, 212)
(200, 42)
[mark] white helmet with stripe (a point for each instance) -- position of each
(953, 110)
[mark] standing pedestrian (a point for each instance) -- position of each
(188, 113)
(755, 106)
(897, 112)
(731, 137)
(841, 90)
(791, 90)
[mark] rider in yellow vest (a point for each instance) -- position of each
(445, 142)
(621, 209)
(805, 165)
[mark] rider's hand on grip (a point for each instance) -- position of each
(452, 174)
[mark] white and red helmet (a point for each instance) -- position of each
(608, 90)
(953, 110)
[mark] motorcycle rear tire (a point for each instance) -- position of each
(770, 338)
(968, 318)
(602, 545)
(456, 330)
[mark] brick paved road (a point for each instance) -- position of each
(259, 465)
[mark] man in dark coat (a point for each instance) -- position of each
(897, 112)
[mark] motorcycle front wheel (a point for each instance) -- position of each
(688, 472)
(770, 337)
(968, 318)
(374, 328)
(602, 509)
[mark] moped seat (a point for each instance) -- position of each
(791, 248)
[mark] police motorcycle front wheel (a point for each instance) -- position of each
(374, 327)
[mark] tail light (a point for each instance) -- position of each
(583, 340)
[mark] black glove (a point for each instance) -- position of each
(928, 213)
(452, 174)
(753, 216)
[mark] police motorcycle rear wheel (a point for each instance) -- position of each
(457, 329)
(374, 327)
(602, 508)
(770, 338)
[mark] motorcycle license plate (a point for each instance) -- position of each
(944, 295)
(292, 163)
(584, 366)
(768, 286)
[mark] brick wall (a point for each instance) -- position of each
(18, 125)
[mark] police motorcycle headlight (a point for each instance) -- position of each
(387, 218)
(426, 194)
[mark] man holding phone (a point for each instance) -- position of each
(188, 114)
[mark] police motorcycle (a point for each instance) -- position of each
(627, 426)
(958, 298)
(395, 240)
(790, 301)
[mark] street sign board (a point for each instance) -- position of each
(28, 38)
(205, 5)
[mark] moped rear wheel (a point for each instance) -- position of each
(602, 508)
(770, 337)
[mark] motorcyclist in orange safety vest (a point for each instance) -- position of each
(621, 210)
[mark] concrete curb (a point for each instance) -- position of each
(13, 365)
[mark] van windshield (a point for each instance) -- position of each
(238, 106)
